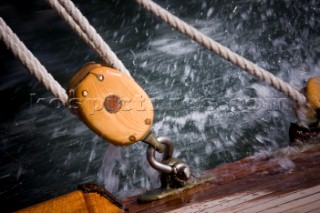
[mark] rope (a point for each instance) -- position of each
(72, 15)
(222, 51)
(31, 62)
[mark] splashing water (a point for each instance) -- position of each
(214, 112)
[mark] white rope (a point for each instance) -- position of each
(72, 15)
(222, 51)
(31, 62)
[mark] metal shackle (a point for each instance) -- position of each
(182, 171)
(179, 169)
(166, 155)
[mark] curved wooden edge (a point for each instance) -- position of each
(74, 202)
(81, 74)
(313, 92)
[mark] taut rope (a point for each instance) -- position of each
(223, 51)
(80, 24)
(13, 43)
(72, 15)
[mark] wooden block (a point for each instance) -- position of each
(111, 103)
(313, 92)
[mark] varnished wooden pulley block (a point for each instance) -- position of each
(313, 92)
(110, 103)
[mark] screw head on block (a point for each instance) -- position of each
(132, 138)
(84, 93)
(100, 77)
(147, 121)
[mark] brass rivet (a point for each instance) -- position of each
(100, 77)
(147, 121)
(84, 93)
(132, 138)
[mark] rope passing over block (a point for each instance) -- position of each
(111, 103)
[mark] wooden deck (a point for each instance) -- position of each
(283, 182)
(304, 200)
